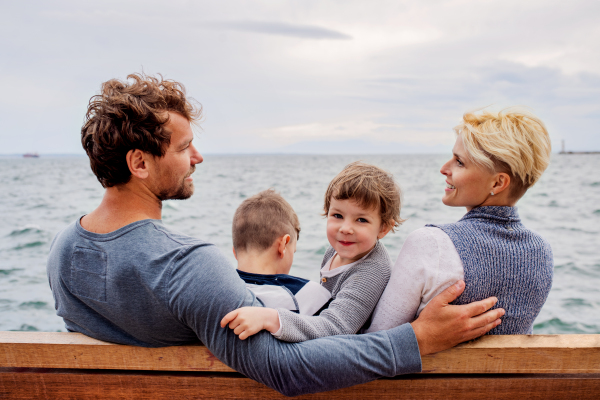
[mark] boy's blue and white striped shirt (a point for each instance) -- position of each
(286, 291)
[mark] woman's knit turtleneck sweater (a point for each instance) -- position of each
(504, 259)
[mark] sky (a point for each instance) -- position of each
(304, 76)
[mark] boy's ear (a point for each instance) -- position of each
(233, 249)
(385, 229)
(137, 163)
(282, 243)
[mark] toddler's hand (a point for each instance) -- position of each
(247, 321)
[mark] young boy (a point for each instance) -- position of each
(362, 204)
(265, 230)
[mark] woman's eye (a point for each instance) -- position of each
(460, 164)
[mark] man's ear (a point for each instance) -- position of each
(137, 163)
(385, 229)
(501, 183)
(282, 244)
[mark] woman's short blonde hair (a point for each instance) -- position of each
(513, 141)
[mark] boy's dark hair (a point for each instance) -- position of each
(371, 187)
(261, 219)
(127, 116)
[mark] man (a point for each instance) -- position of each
(117, 274)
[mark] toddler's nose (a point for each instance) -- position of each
(346, 229)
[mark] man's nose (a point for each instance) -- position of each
(196, 156)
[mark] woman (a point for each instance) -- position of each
(496, 158)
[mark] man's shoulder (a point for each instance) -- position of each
(147, 237)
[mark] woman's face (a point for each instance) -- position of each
(467, 184)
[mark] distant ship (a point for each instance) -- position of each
(31, 155)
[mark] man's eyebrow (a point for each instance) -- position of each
(185, 144)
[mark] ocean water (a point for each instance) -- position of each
(41, 196)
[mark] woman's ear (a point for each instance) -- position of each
(385, 229)
(501, 183)
(137, 163)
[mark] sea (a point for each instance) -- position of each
(41, 196)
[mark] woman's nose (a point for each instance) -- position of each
(445, 170)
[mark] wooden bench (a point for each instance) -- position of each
(73, 366)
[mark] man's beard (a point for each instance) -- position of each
(182, 192)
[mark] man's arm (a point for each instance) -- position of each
(442, 325)
(204, 288)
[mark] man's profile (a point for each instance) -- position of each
(118, 274)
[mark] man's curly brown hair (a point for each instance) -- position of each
(131, 115)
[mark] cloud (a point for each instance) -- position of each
(277, 74)
(368, 130)
(280, 29)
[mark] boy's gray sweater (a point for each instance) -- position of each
(355, 293)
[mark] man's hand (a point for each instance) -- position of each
(442, 325)
(247, 321)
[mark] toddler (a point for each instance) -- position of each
(362, 204)
(265, 230)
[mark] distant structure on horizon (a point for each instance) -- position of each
(31, 155)
(563, 151)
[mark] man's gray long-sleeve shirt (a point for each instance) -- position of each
(145, 285)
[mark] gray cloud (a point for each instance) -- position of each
(280, 29)
(410, 71)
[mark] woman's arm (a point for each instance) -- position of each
(427, 264)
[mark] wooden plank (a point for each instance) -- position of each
(566, 354)
(74, 350)
(551, 354)
(81, 384)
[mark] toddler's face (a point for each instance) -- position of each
(352, 230)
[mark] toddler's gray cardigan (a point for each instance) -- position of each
(355, 293)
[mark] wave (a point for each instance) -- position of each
(29, 245)
(26, 230)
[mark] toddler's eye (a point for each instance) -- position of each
(337, 216)
(362, 220)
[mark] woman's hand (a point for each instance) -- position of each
(247, 321)
(442, 325)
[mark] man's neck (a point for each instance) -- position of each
(122, 205)
(263, 263)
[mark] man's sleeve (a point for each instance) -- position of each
(204, 287)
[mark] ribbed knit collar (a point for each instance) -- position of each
(498, 213)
